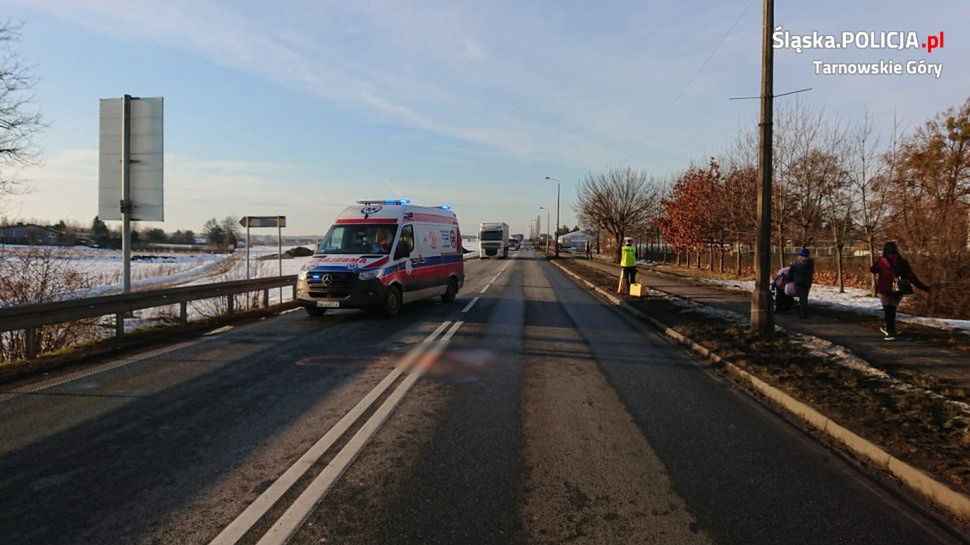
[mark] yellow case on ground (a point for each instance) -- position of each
(636, 290)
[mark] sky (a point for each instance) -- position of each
(302, 108)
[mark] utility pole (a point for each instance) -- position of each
(545, 243)
(555, 233)
(762, 315)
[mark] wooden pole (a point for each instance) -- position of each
(762, 317)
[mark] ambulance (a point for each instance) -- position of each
(382, 254)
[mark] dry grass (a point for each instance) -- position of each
(42, 274)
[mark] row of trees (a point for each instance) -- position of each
(106, 237)
(839, 185)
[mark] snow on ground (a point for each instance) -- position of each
(102, 267)
(204, 268)
(853, 300)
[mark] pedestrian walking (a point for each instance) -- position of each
(628, 265)
(894, 279)
(589, 249)
(802, 272)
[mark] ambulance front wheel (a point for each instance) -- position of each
(315, 311)
(392, 301)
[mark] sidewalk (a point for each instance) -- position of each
(898, 357)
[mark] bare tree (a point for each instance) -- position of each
(741, 187)
(618, 200)
(867, 174)
(838, 195)
(799, 128)
(19, 123)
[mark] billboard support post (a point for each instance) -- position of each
(279, 249)
(126, 193)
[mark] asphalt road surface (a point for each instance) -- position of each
(525, 412)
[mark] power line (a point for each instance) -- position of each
(689, 83)
(773, 96)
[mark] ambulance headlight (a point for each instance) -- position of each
(371, 274)
(301, 275)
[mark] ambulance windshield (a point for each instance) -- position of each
(358, 239)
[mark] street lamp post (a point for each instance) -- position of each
(541, 208)
(556, 231)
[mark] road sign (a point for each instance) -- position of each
(279, 222)
(143, 146)
(263, 221)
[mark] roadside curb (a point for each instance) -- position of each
(956, 503)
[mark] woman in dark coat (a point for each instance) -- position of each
(888, 268)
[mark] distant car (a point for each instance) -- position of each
(85, 241)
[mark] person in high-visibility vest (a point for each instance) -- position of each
(628, 264)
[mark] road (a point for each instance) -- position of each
(525, 412)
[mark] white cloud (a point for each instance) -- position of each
(65, 186)
(538, 82)
(473, 49)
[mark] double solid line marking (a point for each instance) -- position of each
(417, 360)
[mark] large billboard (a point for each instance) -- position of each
(146, 159)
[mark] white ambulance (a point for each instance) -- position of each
(381, 254)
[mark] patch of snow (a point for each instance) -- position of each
(853, 300)
(206, 269)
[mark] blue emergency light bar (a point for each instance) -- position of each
(387, 201)
(445, 207)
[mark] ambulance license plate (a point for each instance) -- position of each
(328, 304)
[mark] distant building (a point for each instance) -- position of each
(28, 233)
(576, 241)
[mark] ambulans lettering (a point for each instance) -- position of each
(336, 259)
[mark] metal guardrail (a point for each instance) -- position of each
(30, 317)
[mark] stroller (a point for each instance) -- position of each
(783, 301)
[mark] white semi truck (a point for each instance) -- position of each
(493, 240)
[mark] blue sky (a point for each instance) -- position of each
(304, 107)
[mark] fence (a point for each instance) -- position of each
(30, 317)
